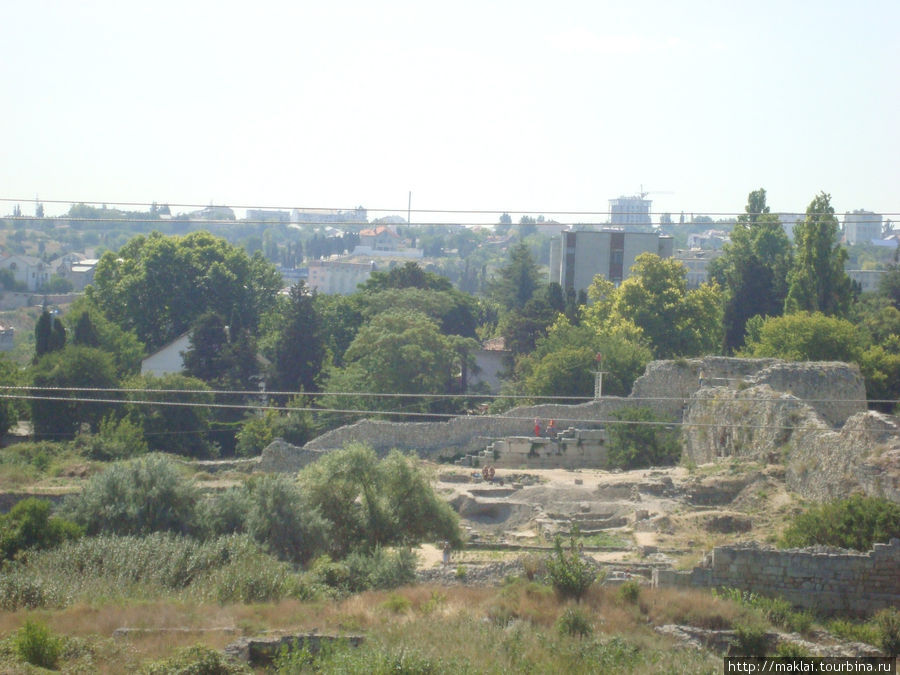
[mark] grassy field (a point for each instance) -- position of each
(514, 628)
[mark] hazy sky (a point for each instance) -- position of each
(518, 106)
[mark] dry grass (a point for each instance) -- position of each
(507, 629)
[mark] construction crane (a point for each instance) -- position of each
(643, 193)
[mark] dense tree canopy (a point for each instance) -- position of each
(817, 281)
(298, 349)
(400, 351)
(519, 279)
(655, 299)
(564, 361)
(72, 366)
(804, 337)
(158, 285)
(753, 269)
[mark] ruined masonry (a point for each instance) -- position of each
(810, 417)
(833, 581)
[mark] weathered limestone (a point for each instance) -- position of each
(821, 580)
(280, 456)
(759, 423)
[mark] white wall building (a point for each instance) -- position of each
(861, 227)
(338, 277)
(576, 257)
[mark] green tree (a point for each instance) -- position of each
(298, 351)
(408, 275)
(176, 423)
(817, 281)
(98, 331)
(281, 519)
(753, 269)
(400, 352)
(206, 355)
(519, 279)
(564, 361)
(889, 286)
(455, 312)
(84, 332)
(72, 367)
(803, 337)
(49, 335)
(674, 320)
(9, 377)
(366, 502)
(158, 285)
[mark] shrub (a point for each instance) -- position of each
(749, 640)
(629, 592)
(115, 440)
(135, 497)
(381, 570)
(533, 565)
(224, 512)
(30, 525)
(252, 578)
(396, 604)
(888, 623)
(196, 660)
(37, 645)
(570, 574)
(227, 568)
(642, 443)
(575, 622)
(282, 520)
(254, 435)
(856, 523)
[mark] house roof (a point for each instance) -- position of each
(374, 232)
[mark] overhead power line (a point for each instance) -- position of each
(373, 394)
(419, 415)
(401, 209)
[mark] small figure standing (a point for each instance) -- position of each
(447, 549)
(490, 473)
(537, 427)
(551, 429)
(701, 379)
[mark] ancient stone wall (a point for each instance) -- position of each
(830, 582)
(668, 388)
(467, 434)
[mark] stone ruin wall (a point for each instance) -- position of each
(830, 582)
(668, 388)
(821, 462)
(468, 434)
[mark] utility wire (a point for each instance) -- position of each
(430, 415)
(373, 394)
(404, 209)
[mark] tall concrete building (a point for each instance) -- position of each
(630, 212)
(861, 227)
(576, 257)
